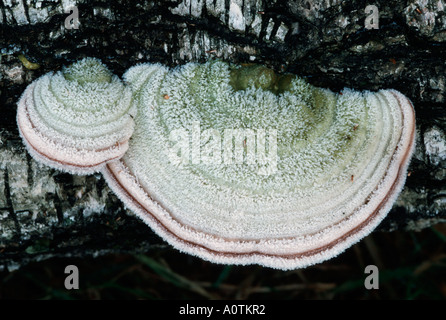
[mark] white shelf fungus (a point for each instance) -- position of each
(238, 165)
(77, 119)
(232, 164)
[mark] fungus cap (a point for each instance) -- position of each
(244, 167)
(77, 119)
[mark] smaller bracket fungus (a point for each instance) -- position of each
(77, 119)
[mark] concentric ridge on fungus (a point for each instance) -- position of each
(334, 166)
(77, 119)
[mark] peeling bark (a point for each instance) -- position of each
(45, 213)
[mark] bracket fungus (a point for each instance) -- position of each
(76, 119)
(239, 165)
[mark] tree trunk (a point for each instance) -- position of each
(332, 43)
